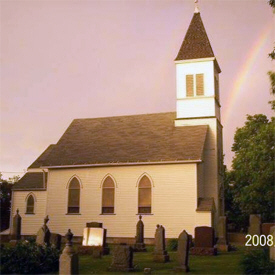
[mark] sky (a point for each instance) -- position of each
(62, 60)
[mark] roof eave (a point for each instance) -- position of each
(30, 189)
(200, 60)
(122, 164)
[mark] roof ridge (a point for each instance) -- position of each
(135, 115)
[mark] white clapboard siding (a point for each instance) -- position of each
(174, 199)
(30, 222)
(211, 180)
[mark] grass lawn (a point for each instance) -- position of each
(224, 263)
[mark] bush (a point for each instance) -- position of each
(256, 261)
(27, 257)
(172, 245)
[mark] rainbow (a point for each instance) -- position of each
(238, 86)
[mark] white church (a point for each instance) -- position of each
(166, 167)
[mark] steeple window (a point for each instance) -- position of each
(197, 85)
(189, 85)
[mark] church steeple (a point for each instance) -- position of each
(197, 74)
(198, 102)
(196, 43)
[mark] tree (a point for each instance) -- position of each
(5, 200)
(237, 219)
(271, 73)
(253, 167)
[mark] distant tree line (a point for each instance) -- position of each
(5, 200)
(250, 184)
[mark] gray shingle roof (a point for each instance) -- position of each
(40, 160)
(196, 43)
(30, 181)
(124, 139)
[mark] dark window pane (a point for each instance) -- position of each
(108, 197)
(108, 210)
(30, 205)
(73, 209)
(108, 182)
(145, 182)
(74, 197)
(144, 197)
(144, 210)
(74, 184)
(30, 210)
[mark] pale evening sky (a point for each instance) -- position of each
(62, 60)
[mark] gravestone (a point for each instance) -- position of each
(204, 241)
(265, 228)
(44, 234)
(16, 227)
(94, 224)
(122, 260)
(55, 240)
(94, 240)
(68, 261)
(183, 252)
(254, 224)
(222, 244)
(139, 245)
(272, 247)
(160, 254)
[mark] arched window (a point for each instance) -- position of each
(108, 196)
(30, 205)
(74, 196)
(144, 195)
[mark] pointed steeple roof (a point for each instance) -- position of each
(196, 43)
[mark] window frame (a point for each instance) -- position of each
(27, 206)
(102, 196)
(194, 88)
(151, 196)
(70, 212)
(202, 84)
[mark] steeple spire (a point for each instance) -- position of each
(196, 6)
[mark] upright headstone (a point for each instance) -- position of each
(68, 261)
(44, 234)
(183, 252)
(160, 254)
(222, 244)
(94, 224)
(16, 227)
(94, 240)
(265, 228)
(140, 245)
(272, 247)
(122, 260)
(55, 240)
(254, 224)
(204, 241)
